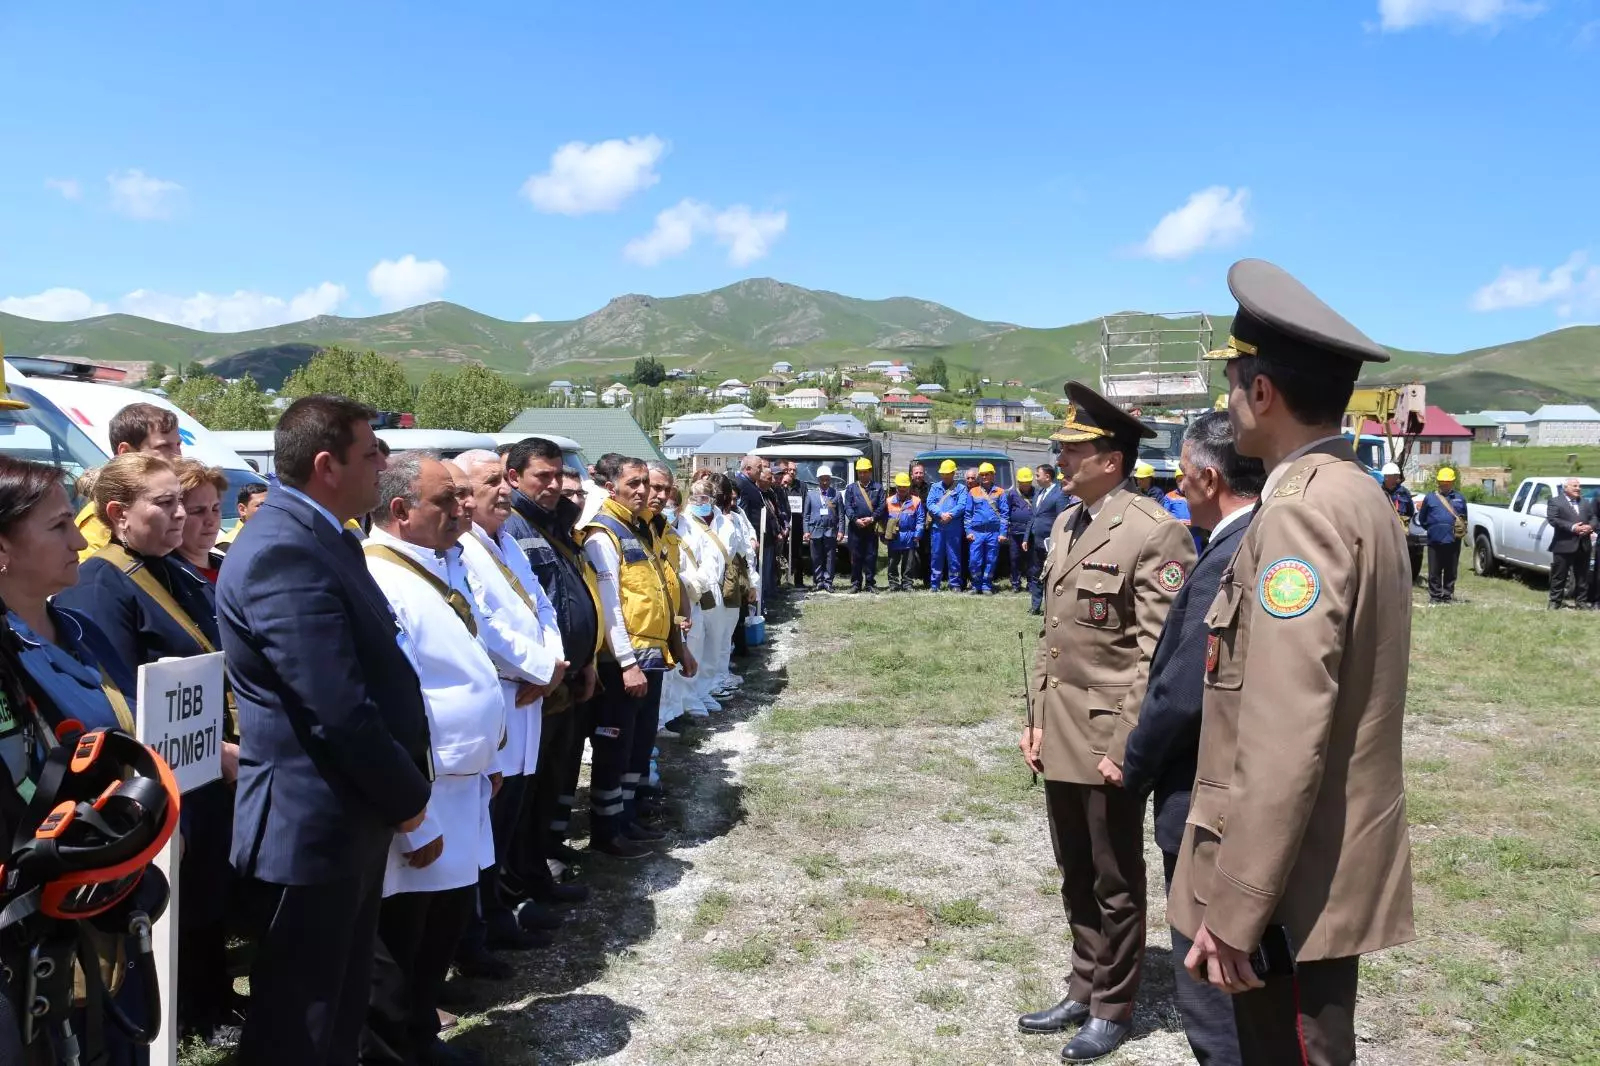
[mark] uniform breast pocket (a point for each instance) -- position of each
(1100, 603)
(1224, 639)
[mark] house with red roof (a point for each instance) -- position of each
(1442, 442)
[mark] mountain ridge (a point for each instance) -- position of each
(740, 329)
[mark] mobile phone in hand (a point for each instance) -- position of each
(1274, 956)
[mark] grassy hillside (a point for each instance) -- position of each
(740, 330)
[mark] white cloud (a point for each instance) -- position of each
(138, 195)
(1397, 15)
(748, 235)
(234, 313)
(584, 178)
(69, 188)
(1571, 287)
(407, 281)
(1212, 218)
(54, 305)
(535, 317)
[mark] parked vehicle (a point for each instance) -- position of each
(1517, 536)
(808, 450)
(92, 405)
(32, 427)
(256, 445)
(572, 457)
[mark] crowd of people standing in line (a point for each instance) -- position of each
(417, 653)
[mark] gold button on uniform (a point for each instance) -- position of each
(1055, 683)
(1054, 652)
(1098, 585)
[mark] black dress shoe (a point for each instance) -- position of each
(504, 935)
(565, 853)
(1063, 1015)
(532, 918)
(1097, 1039)
(481, 964)
(560, 893)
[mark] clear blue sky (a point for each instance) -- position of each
(1428, 166)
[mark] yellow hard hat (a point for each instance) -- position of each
(985, 468)
(1024, 476)
(947, 467)
(863, 463)
(902, 481)
(1445, 474)
(1144, 470)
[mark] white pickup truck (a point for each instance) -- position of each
(1517, 535)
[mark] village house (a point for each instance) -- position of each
(562, 387)
(998, 412)
(814, 399)
(771, 382)
(1564, 424)
(617, 395)
(1442, 442)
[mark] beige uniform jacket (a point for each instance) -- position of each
(1106, 597)
(1299, 814)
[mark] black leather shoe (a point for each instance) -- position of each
(1097, 1039)
(566, 892)
(504, 935)
(620, 847)
(1063, 1015)
(531, 918)
(483, 965)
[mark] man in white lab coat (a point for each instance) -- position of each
(430, 885)
(524, 643)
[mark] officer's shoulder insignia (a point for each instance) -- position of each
(1291, 486)
(1289, 588)
(1172, 575)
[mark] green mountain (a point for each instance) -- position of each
(740, 330)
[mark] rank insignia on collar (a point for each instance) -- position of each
(1116, 521)
(1290, 487)
(1099, 611)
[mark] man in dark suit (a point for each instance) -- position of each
(1571, 521)
(334, 756)
(1048, 503)
(1220, 486)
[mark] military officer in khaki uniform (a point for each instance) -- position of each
(1116, 561)
(1296, 839)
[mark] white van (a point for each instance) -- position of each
(572, 457)
(92, 405)
(33, 428)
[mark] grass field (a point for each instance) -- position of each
(1538, 462)
(862, 872)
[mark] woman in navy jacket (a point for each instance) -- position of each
(174, 615)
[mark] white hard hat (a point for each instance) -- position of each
(823, 471)
(1390, 469)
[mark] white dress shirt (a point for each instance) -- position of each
(466, 718)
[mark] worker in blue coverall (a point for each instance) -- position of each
(990, 514)
(820, 518)
(948, 505)
(1019, 502)
(864, 513)
(908, 515)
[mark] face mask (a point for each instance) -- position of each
(669, 513)
(700, 510)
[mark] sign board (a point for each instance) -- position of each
(180, 715)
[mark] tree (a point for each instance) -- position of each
(938, 372)
(198, 395)
(155, 375)
(647, 370)
(474, 398)
(649, 408)
(759, 398)
(367, 377)
(242, 405)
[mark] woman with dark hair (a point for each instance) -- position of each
(68, 670)
(154, 604)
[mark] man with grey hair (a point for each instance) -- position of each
(523, 640)
(1221, 486)
(431, 883)
(1571, 520)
